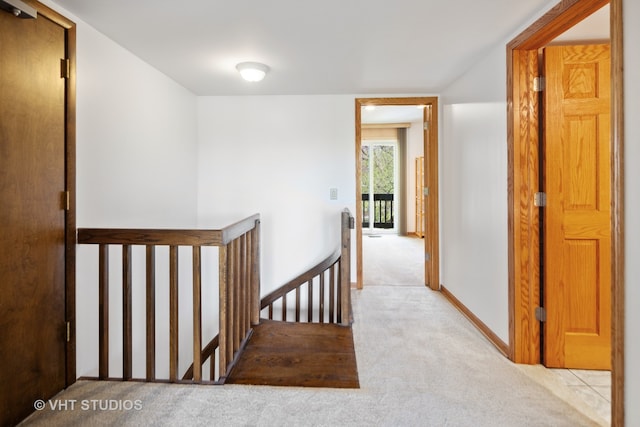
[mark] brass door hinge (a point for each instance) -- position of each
(66, 200)
(65, 68)
(540, 199)
(539, 84)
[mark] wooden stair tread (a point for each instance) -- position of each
(298, 354)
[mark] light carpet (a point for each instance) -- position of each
(392, 260)
(421, 363)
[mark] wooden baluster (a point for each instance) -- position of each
(197, 314)
(321, 314)
(284, 308)
(255, 275)
(242, 267)
(173, 313)
(103, 308)
(127, 338)
(223, 283)
(270, 311)
(214, 358)
(247, 285)
(151, 313)
(310, 301)
(339, 293)
(297, 304)
(230, 299)
(236, 296)
(332, 293)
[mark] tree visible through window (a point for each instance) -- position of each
(378, 163)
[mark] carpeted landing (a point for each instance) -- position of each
(420, 363)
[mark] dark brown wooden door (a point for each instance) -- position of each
(577, 235)
(32, 215)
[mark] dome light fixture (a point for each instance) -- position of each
(252, 71)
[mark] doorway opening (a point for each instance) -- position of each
(424, 124)
(523, 130)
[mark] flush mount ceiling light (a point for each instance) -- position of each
(252, 71)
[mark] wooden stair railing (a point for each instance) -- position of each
(239, 293)
(333, 272)
(333, 278)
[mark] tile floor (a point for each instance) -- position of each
(591, 387)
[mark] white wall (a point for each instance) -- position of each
(279, 156)
(473, 194)
(136, 140)
(136, 152)
(632, 210)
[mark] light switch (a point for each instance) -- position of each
(333, 193)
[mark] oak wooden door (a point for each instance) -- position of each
(577, 218)
(32, 215)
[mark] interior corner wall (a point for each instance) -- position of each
(136, 140)
(279, 156)
(474, 191)
(631, 16)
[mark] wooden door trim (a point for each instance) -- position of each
(431, 179)
(70, 184)
(523, 229)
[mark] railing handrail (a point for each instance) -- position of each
(300, 280)
(168, 237)
(237, 229)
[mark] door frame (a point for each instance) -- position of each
(523, 173)
(430, 143)
(70, 184)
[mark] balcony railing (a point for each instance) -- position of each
(381, 212)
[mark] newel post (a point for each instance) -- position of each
(222, 313)
(345, 268)
(255, 274)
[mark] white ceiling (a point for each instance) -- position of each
(312, 47)
(593, 28)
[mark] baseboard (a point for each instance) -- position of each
(475, 321)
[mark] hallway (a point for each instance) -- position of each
(395, 261)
